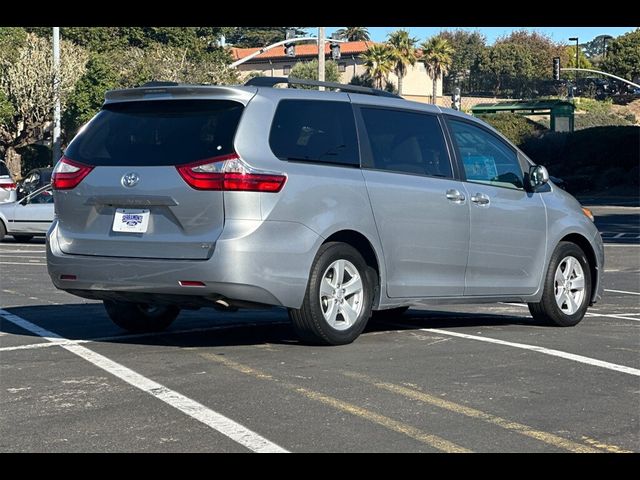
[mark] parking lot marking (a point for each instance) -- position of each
(621, 291)
(130, 336)
(229, 428)
(547, 351)
(609, 315)
(423, 397)
(22, 263)
(386, 422)
(588, 314)
(604, 446)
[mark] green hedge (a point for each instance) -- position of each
(516, 128)
(591, 160)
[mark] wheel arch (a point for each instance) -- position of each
(361, 243)
(588, 250)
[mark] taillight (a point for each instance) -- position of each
(229, 173)
(68, 174)
(8, 184)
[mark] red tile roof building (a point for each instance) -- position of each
(274, 63)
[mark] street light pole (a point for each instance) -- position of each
(56, 95)
(575, 39)
(321, 55)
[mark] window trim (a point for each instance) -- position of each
(358, 163)
(366, 154)
(460, 163)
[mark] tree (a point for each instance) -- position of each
(437, 57)
(365, 80)
(251, 37)
(583, 61)
(26, 81)
(469, 55)
(403, 52)
(309, 71)
(88, 95)
(379, 62)
(519, 60)
(354, 34)
(106, 39)
(623, 55)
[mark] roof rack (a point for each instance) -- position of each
(271, 81)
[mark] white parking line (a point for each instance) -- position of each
(609, 315)
(32, 346)
(233, 430)
(621, 291)
(588, 314)
(22, 263)
(546, 351)
(41, 257)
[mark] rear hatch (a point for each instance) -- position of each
(133, 202)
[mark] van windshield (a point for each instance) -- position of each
(157, 132)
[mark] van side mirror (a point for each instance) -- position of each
(538, 176)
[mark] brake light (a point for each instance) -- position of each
(229, 173)
(68, 174)
(8, 184)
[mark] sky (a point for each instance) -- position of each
(557, 34)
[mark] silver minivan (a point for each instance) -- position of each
(338, 205)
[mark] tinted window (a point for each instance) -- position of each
(3, 169)
(406, 142)
(486, 158)
(314, 131)
(46, 196)
(162, 132)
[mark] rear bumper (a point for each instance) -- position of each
(262, 262)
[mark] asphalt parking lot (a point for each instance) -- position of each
(438, 379)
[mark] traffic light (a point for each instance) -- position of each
(556, 68)
(335, 47)
(290, 48)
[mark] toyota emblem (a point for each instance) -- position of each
(130, 179)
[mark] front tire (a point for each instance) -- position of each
(567, 288)
(140, 317)
(338, 299)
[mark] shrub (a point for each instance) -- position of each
(590, 160)
(592, 105)
(516, 128)
(599, 119)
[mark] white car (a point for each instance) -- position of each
(7, 185)
(29, 217)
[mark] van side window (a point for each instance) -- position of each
(486, 158)
(314, 131)
(406, 142)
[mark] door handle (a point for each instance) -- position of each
(480, 199)
(455, 196)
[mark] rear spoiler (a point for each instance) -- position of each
(171, 91)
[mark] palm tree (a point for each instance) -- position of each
(379, 62)
(354, 34)
(404, 53)
(437, 57)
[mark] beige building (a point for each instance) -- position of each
(417, 84)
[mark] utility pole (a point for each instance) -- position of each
(321, 55)
(56, 96)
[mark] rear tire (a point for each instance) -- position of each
(388, 315)
(567, 288)
(338, 299)
(140, 317)
(22, 238)
(3, 230)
